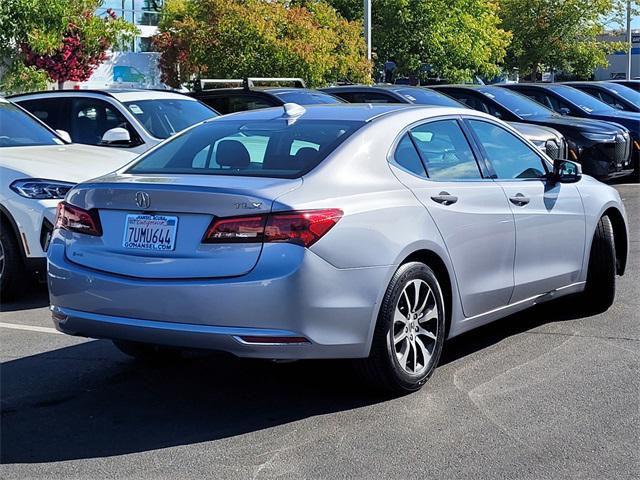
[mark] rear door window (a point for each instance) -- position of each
(406, 156)
(445, 151)
(241, 103)
(277, 148)
(52, 111)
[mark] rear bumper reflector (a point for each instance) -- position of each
(266, 340)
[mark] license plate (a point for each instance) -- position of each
(150, 232)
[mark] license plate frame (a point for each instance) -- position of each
(153, 233)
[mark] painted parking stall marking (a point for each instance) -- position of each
(30, 328)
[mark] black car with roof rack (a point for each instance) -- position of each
(546, 139)
(603, 148)
(235, 95)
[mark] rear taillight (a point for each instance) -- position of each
(78, 220)
(304, 227)
(236, 230)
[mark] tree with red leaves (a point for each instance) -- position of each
(72, 44)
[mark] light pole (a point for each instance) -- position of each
(367, 27)
(629, 40)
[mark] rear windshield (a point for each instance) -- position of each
(163, 117)
(306, 97)
(274, 148)
(428, 97)
(625, 92)
(583, 101)
(517, 103)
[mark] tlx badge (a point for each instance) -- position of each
(248, 205)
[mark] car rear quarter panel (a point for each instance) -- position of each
(383, 222)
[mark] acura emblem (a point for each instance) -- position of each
(142, 199)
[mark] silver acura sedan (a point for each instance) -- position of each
(351, 231)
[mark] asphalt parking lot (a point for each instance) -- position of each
(544, 394)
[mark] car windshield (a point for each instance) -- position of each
(581, 100)
(277, 148)
(517, 104)
(17, 129)
(423, 96)
(624, 91)
(306, 97)
(163, 118)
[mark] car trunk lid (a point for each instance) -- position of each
(181, 207)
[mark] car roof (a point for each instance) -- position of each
(548, 86)
(362, 87)
(363, 112)
(268, 90)
(120, 94)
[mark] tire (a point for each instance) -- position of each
(146, 352)
(13, 274)
(600, 289)
(384, 368)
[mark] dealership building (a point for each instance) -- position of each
(618, 61)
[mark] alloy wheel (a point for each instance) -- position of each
(415, 327)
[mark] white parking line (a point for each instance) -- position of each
(31, 328)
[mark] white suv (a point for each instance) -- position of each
(37, 168)
(134, 120)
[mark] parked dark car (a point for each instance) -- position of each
(390, 94)
(633, 84)
(567, 100)
(229, 96)
(546, 139)
(613, 94)
(603, 148)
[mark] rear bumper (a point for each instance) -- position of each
(290, 292)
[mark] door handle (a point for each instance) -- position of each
(445, 198)
(519, 200)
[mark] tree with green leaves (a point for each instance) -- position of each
(56, 40)
(557, 35)
(240, 38)
(454, 39)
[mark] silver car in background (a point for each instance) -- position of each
(348, 231)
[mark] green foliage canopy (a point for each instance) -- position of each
(558, 34)
(239, 38)
(457, 39)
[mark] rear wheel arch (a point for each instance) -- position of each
(619, 237)
(435, 262)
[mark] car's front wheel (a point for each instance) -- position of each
(600, 289)
(410, 331)
(12, 270)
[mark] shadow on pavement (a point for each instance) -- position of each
(89, 401)
(36, 296)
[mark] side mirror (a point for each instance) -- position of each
(564, 111)
(116, 136)
(63, 134)
(565, 171)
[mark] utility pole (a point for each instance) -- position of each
(367, 27)
(629, 40)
